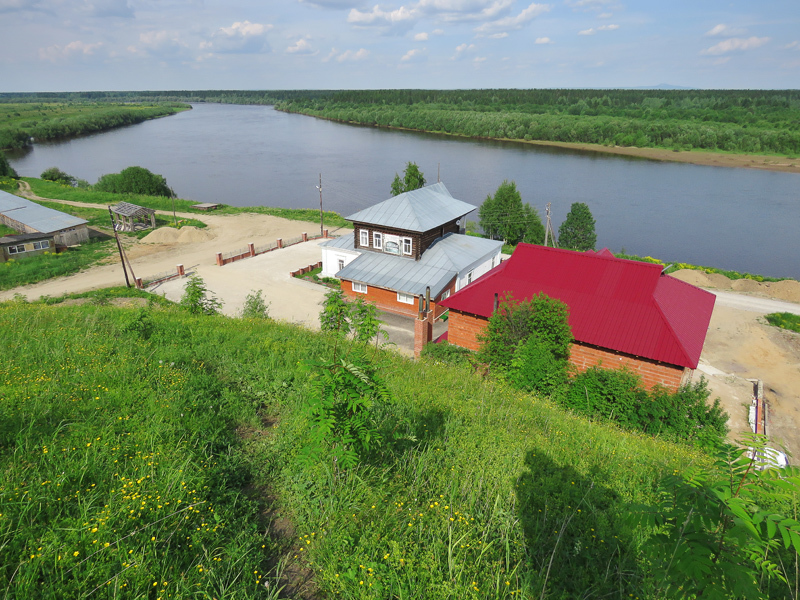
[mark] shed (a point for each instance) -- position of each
(26, 216)
(25, 245)
(130, 217)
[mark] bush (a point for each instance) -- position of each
(255, 307)
(134, 180)
(57, 175)
(535, 368)
(6, 170)
(447, 353)
(197, 299)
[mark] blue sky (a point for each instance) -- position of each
(69, 45)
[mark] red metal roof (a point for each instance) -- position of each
(622, 305)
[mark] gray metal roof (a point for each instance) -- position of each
(126, 209)
(417, 210)
(45, 220)
(344, 242)
(24, 237)
(440, 263)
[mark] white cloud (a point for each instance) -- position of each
(605, 15)
(108, 8)
(421, 37)
(498, 36)
(75, 49)
(412, 55)
(588, 4)
(592, 30)
(793, 45)
(465, 10)
(243, 37)
(336, 4)
(517, 22)
(723, 29)
(380, 17)
(543, 40)
(736, 44)
(461, 49)
(19, 5)
(301, 46)
(437, 31)
(360, 54)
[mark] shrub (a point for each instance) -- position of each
(255, 307)
(6, 170)
(197, 299)
(534, 368)
(59, 176)
(134, 180)
(447, 353)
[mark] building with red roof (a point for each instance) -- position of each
(623, 313)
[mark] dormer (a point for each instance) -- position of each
(408, 224)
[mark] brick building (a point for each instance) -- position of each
(622, 313)
(406, 245)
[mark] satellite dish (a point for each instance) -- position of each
(458, 222)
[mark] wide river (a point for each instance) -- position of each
(740, 219)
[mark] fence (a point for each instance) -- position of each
(143, 282)
(225, 258)
(307, 269)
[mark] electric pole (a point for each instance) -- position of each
(319, 187)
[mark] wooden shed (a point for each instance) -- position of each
(129, 217)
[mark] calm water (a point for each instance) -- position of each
(252, 155)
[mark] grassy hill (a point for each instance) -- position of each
(149, 453)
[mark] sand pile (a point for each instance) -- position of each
(788, 290)
(189, 235)
(162, 235)
(719, 281)
(748, 285)
(698, 278)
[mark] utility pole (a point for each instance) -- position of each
(319, 187)
(119, 246)
(438, 172)
(548, 230)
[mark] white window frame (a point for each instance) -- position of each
(377, 240)
(407, 241)
(469, 277)
(445, 295)
(359, 288)
(363, 238)
(340, 264)
(43, 245)
(405, 298)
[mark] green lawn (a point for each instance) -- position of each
(784, 320)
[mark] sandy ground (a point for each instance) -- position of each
(739, 346)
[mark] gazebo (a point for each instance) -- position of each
(129, 217)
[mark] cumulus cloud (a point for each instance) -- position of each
(159, 43)
(19, 5)
(301, 46)
(437, 31)
(413, 55)
(360, 54)
(588, 4)
(593, 30)
(421, 37)
(243, 37)
(515, 22)
(605, 15)
(336, 4)
(461, 49)
(404, 17)
(465, 10)
(723, 29)
(793, 45)
(498, 36)
(543, 40)
(733, 44)
(76, 49)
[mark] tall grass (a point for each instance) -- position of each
(113, 423)
(33, 269)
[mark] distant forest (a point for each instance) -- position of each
(740, 121)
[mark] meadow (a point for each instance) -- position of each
(149, 453)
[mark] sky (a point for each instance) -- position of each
(81, 45)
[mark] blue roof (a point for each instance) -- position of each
(418, 210)
(35, 216)
(440, 263)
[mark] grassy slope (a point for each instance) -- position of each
(48, 189)
(101, 428)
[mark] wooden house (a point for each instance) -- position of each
(407, 245)
(25, 245)
(26, 216)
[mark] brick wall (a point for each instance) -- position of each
(387, 300)
(463, 330)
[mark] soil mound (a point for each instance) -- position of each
(748, 285)
(698, 278)
(788, 290)
(719, 281)
(190, 235)
(162, 235)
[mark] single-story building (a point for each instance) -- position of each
(406, 246)
(26, 216)
(25, 245)
(623, 313)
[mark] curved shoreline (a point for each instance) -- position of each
(706, 158)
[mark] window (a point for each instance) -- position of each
(15, 249)
(377, 241)
(493, 262)
(41, 245)
(341, 264)
(361, 288)
(406, 245)
(405, 298)
(445, 294)
(469, 277)
(363, 239)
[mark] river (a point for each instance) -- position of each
(741, 219)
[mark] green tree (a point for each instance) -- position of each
(134, 180)
(255, 307)
(6, 170)
(577, 230)
(514, 322)
(413, 179)
(197, 299)
(59, 176)
(504, 216)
